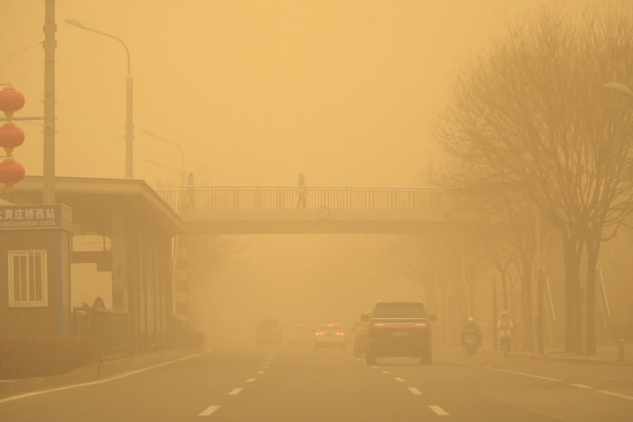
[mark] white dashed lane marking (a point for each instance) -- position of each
(251, 379)
(235, 391)
(375, 367)
(581, 386)
(529, 375)
(438, 410)
(399, 379)
(415, 391)
(386, 372)
(611, 393)
(209, 410)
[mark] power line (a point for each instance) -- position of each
(21, 51)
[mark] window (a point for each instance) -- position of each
(399, 310)
(330, 327)
(27, 278)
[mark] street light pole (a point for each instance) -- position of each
(183, 176)
(129, 103)
(50, 44)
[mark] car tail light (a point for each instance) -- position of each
(340, 334)
(319, 334)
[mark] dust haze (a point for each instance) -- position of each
(450, 178)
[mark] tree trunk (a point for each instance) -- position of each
(593, 251)
(578, 335)
(504, 288)
(572, 277)
(472, 287)
(528, 323)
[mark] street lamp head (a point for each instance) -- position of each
(74, 22)
(618, 87)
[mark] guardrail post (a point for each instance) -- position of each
(236, 202)
(621, 350)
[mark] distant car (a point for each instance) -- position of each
(360, 334)
(399, 329)
(298, 334)
(330, 335)
(268, 333)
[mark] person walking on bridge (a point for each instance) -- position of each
(302, 193)
(191, 191)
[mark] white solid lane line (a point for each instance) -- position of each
(251, 379)
(386, 372)
(415, 391)
(261, 372)
(503, 370)
(85, 384)
(235, 391)
(529, 375)
(581, 386)
(611, 393)
(399, 379)
(209, 410)
(438, 410)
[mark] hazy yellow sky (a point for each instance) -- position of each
(254, 91)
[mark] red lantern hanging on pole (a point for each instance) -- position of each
(11, 173)
(11, 100)
(11, 136)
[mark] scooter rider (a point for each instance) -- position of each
(470, 327)
(505, 326)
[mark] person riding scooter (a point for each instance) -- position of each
(471, 336)
(505, 326)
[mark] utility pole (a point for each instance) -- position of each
(129, 124)
(495, 337)
(50, 44)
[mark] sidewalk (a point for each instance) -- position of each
(95, 372)
(607, 355)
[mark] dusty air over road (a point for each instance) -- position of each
(335, 210)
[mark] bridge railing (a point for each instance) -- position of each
(233, 198)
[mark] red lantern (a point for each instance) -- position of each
(11, 136)
(11, 100)
(11, 173)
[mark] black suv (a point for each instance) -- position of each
(399, 329)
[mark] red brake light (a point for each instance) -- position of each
(340, 334)
(319, 334)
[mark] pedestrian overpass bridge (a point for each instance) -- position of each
(278, 209)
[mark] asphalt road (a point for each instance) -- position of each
(299, 384)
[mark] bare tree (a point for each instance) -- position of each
(530, 119)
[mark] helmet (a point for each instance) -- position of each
(470, 319)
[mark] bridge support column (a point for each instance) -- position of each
(182, 287)
(119, 272)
